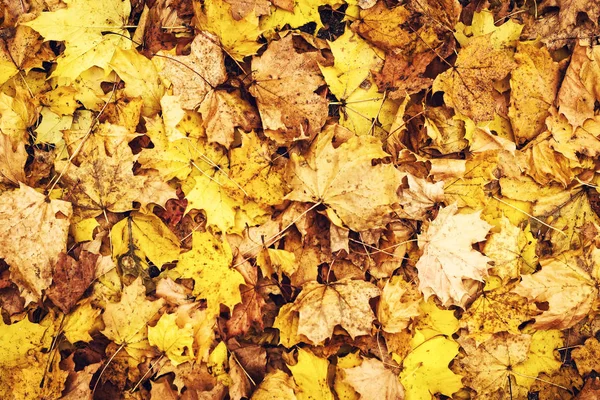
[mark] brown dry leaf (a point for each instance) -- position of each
(579, 90)
(319, 308)
(374, 381)
(327, 175)
(586, 357)
(222, 112)
(448, 257)
(590, 391)
(567, 289)
(195, 75)
(249, 313)
(284, 85)
(102, 182)
(71, 279)
(402, 76)
(489, 366)
(468, 86)
(379, 25)
(241, 8)
(33, 233)
(399, 303)
(12, 161)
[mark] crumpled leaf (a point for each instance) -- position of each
(448, 257)
(326, 175)
(28, 219)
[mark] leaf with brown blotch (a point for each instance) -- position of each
(71, 279)
(448, 257)
(402, 76)
(33, 233)
(284, 86)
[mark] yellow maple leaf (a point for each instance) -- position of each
(238, 37)
(142, 236)
(80, 322)
(141, 78)
(209, 265)
(276, 383)
(128, 318)
(310, 374)
(304, 11)
(256, 173)
(82, 26)
(425, 370)
(23, 365)
(176, 342)
(327, 175)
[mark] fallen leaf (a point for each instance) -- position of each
(284, 88)
(448, 257)
(28, 219)
(325, 175)
(374, 381)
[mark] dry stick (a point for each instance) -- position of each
(106, 366)
(277, 234)
(530, 216)
(541, 380)
(146, 373)
(85, 137)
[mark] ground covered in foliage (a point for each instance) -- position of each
(312, 199)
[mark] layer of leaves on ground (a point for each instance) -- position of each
(271, 199)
